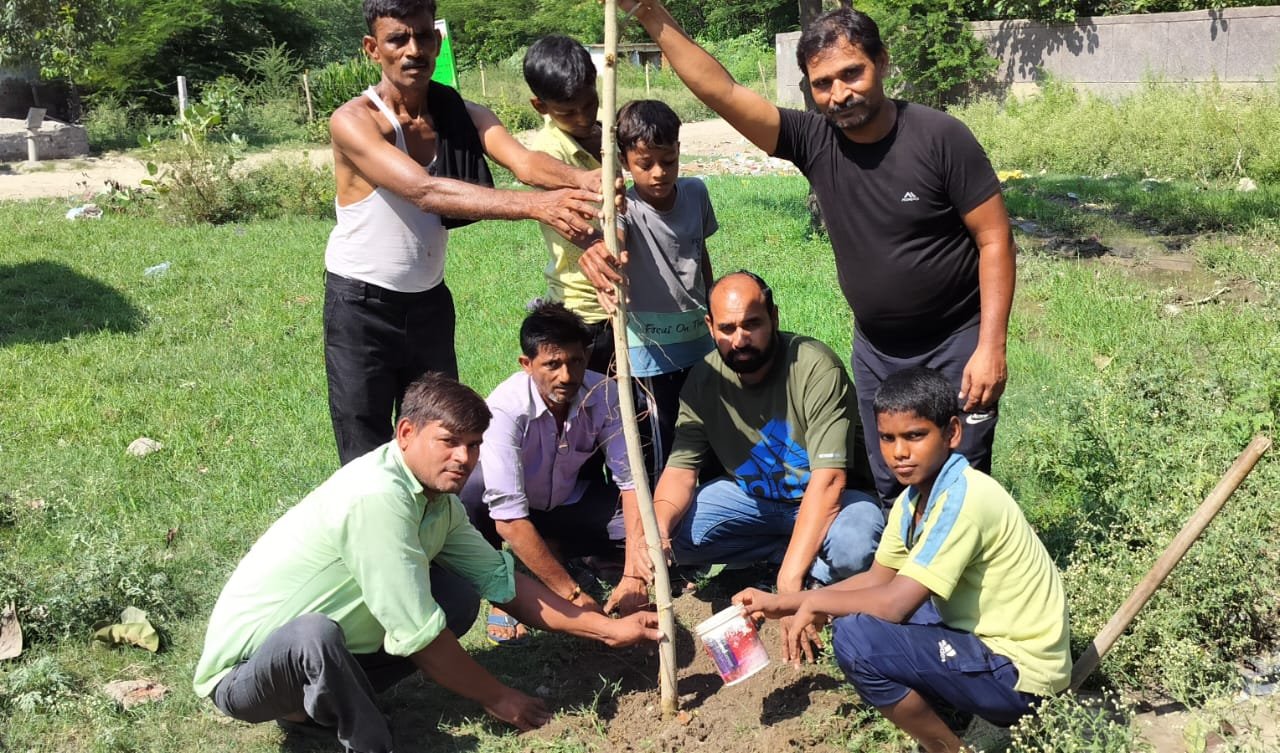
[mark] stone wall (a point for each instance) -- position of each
(54, 140)
(1113, 55)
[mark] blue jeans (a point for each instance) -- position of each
(725, 525)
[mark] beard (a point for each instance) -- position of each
(749, 360)
(854, 114)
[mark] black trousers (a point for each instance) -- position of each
(377, 341)
(872, 366)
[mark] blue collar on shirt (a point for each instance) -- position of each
(949, 476)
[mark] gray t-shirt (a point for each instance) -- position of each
(665, 327)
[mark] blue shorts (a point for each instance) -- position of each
(885, 660)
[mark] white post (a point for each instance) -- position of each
(484, 89)
(182, 97)
(306, 89)
(35, 116)
(646, 79)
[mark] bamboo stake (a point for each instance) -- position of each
(626, 395)
(1169, 559)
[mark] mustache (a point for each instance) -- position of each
(836, 109)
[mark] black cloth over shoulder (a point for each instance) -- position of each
(459, 153)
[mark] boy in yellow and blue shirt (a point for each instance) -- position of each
(963, 609)
(562, 79)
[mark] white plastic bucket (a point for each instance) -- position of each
(733, 644)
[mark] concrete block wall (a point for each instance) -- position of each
(54, 140)
(1112, 55)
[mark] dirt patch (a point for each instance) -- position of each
(778, 709)
(710, 147)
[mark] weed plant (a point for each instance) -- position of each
(1205, 132)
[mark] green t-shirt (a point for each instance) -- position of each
(769, 436)
(987, 570)
(358, 549)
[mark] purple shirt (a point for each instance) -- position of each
(527, 466)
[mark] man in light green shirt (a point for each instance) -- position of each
(373, 575)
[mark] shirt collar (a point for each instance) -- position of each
(540, 405)
(569, 141)
(950, 473)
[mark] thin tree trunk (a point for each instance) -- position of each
(626, 393)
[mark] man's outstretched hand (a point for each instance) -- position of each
(524, 712)
(633, 629)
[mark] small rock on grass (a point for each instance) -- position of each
(130, 693)
(143, 446)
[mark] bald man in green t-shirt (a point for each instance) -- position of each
(777, 410)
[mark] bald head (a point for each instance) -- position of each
(744, 323)
(741, 286)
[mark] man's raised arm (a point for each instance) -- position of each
(749, 113)
(357, 141)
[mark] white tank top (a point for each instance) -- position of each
(385, 240)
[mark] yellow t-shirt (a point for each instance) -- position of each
(988, 571)
(565, 281)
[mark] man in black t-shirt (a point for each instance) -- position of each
(922, 242)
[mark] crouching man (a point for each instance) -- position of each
(963, 609)
(373, 575)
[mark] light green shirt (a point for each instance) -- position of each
(358, 550)
(565, 281)
(987, 570)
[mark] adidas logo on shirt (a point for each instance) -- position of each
(910, 196)
(945, 651)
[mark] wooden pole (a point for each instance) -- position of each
(484, 88)
(646, 79)
(1172, 555)
(306, 89)
(626, 394)
(764, 81)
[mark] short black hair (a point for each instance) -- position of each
(558, 68)
(438, 397)
(919, 390)
(649, 122)
(397, 9)
(764, 288)
(853, 26)
(550, 323)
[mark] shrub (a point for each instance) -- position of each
(1192, 132)
(42, 685)
(936, 58)
(334, 84)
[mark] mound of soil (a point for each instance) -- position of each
(780, 708)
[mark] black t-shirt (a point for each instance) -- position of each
(906, 263)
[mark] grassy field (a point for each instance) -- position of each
(1133, 386)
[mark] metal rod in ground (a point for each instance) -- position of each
(1172, 555)
(626, 394)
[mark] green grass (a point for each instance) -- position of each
(220, 360)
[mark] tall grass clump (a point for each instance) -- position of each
(1203, 132)
(334, 84)
(1134, 415)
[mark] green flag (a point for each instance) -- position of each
(446, 70)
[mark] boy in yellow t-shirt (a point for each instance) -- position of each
(562, 79)
(963, 609)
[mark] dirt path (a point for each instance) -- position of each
(712, 146)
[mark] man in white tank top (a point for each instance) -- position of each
(388, 316)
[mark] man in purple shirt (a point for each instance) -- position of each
(539, 485)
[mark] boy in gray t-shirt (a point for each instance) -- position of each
(667, 223)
